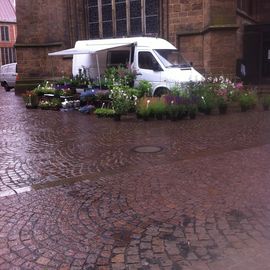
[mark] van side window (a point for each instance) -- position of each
(116, 58)
(148, 61)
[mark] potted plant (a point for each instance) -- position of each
(144, 108)
(44, 88)
(247, 100)
(207, 103)
(143, 112)
(104, 112)
(55, 104)
(44, 105)
(174, 111)
(158, 109)
(265, 101)
(192, 110)
(122, 100)
(144, 88)
(31, 99)
(222, 105)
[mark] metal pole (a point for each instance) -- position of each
(98, 71)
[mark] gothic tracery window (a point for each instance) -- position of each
(117, 18)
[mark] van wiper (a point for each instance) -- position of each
(185, 66)
(182, 66)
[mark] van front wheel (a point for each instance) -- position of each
(161, 91)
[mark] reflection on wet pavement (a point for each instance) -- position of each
(194, 196)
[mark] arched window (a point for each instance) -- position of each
(117, 18)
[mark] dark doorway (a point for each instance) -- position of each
(266, 59)
(257, 54)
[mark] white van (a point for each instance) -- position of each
(8, 76)
(152, 59)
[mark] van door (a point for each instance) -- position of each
(148, 68)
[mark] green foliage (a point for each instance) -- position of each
(177, 90)
(247, 100)
(54, 104)
(177, 111)
(117, 76)
(158, 109)
(207, 101)
(104, 112)
(144, 88)
(122, 99)
(31, 99)
(44, 88)
(192, 110)
(63, 81)
(82, 79)
(265, 100)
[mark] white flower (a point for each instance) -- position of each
(221, 78)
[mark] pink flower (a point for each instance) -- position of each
(239, 85)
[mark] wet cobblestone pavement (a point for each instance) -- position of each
(75, 195)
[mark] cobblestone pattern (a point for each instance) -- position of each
(208, 213)
(42, 146)
(201, 204)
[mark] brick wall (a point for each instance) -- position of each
(264, 11)
(184, 16)
(200, 28)
(209, 33)
(50, 26)
(220, 53)
(191, 47)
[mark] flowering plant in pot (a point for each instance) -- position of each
(204, 91)
(207, 103)
(54, 104)
(118, 76)
(144, 108)
(122, 100)
(31, 99)
(44, 88)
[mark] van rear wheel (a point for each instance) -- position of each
(161, 91)
(6, 87)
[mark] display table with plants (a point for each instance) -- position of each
(115, 95)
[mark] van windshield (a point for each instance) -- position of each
(172, 58)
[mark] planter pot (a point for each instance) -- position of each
(174, 118)
(266, 107)
(244, 108)
(145, 117)
(223, 109)
(30, 106)
(192, 115)
(117, 117)
(207, 111)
